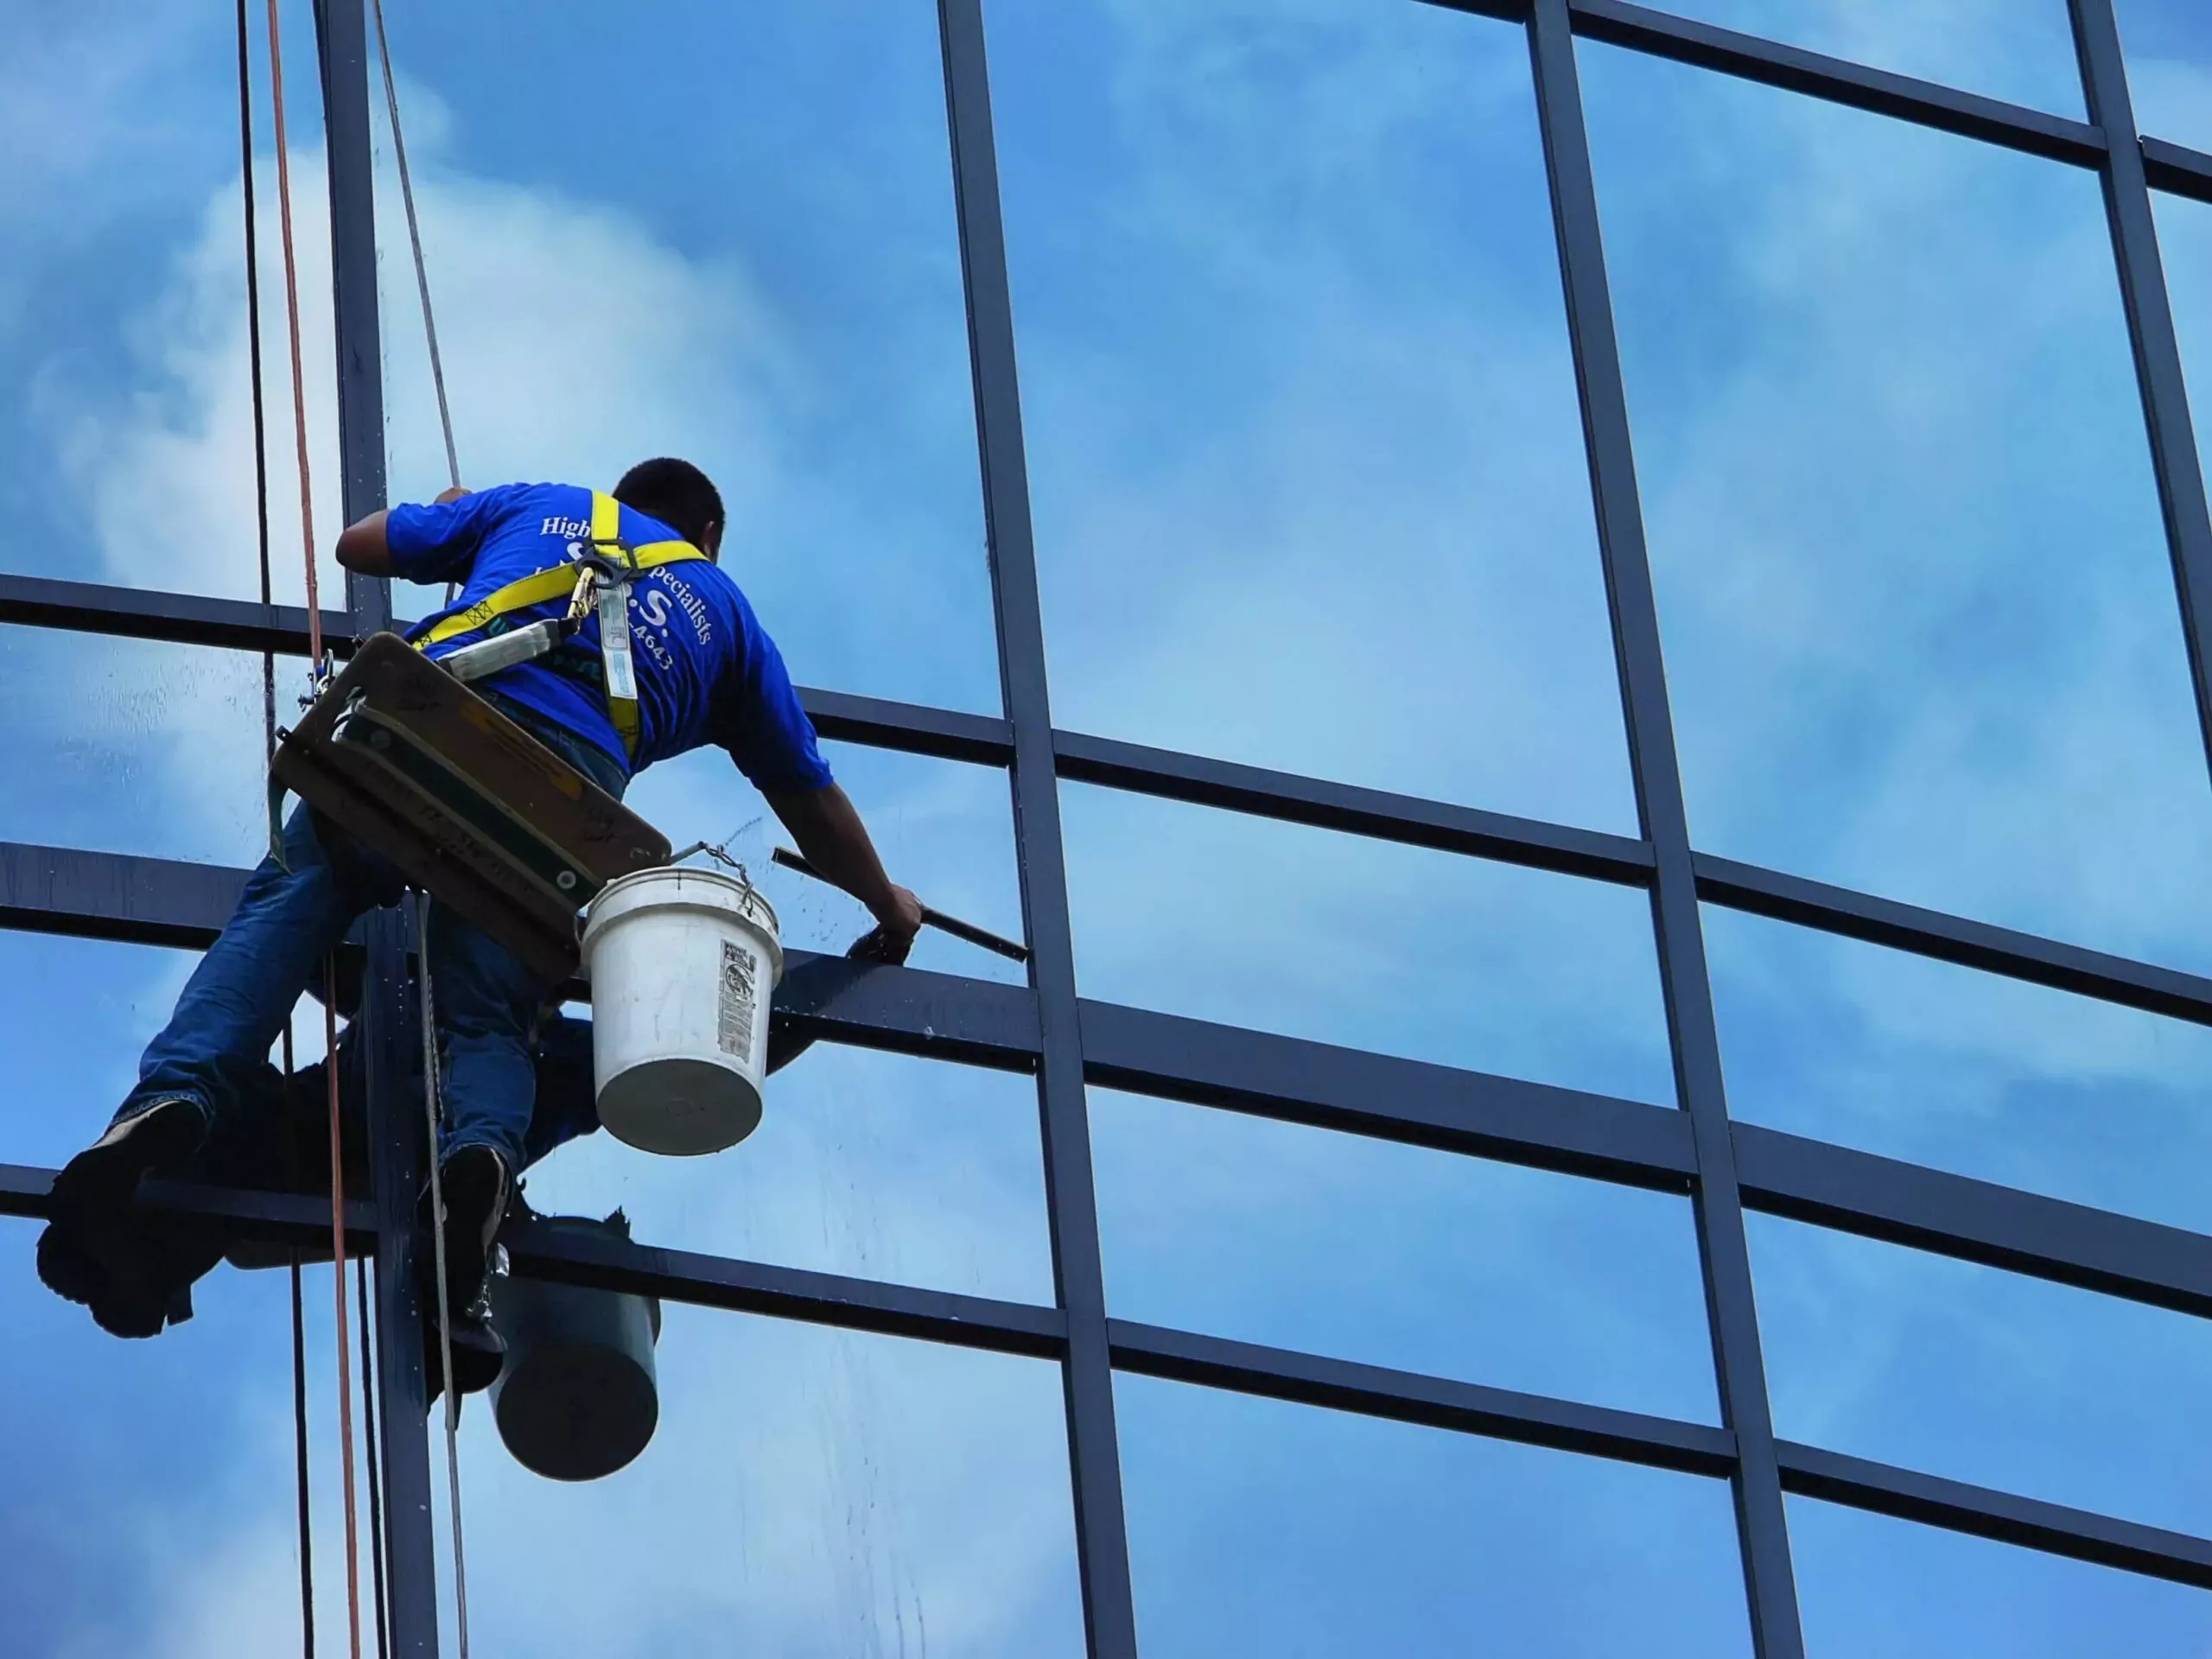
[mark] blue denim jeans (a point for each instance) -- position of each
(243, 990)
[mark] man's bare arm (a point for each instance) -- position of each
(829, 833)
(362, 547)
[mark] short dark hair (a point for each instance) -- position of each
(676, 493)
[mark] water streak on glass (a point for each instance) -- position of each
(807, 1493)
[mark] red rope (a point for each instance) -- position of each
(330, 971)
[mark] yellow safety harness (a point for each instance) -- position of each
(604, 573)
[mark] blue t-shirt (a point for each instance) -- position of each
(707, 671)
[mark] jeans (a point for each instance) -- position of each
(243, 991)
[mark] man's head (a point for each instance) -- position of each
(680, 496)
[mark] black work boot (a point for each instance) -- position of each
(474, 1185)
(105, 1174)
(100, 1249)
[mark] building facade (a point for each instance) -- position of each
(1579, 636)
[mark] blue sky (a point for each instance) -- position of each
(1309, 492)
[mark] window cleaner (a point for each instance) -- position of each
(568, 729)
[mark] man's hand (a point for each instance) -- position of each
(832, 838)
(892, 936)
(453, 494)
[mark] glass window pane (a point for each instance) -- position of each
(807, 1493)
(150, 1502)
(137, 747)
(76, 1016)
(944, 828)
(1257, 1527)
(1369, 944)
(1302, 435)
(1401, 1256)
(759, 271)
(1985, 1377)
(1970, 1072)
(1921, 627)
(128, 408)
(2169, 45)
(1867, 1584)
(2021, 51)
(878, 1166)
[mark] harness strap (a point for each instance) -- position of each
(615, 564)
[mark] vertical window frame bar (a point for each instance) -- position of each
(1731, 1310)
(1094, 1458)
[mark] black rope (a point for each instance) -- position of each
(268, 734)
(368, 1446)
(300, 1396)
(253, 355)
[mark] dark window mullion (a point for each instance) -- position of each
(2151, 331)
(1102, 1539)
(1761, 1522)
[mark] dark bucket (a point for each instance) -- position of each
(578, 1397)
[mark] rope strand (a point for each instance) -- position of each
(292, 316)
(430, 1114)
(415, 242)
(330, 972)
(268, 736)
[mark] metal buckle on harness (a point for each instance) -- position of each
(600, 570)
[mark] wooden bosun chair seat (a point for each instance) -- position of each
(468, 805)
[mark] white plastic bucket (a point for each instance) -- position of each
(683, 965)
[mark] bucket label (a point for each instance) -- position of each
(734, 1026)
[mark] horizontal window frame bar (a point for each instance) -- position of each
(1350, 809)
(1838, 80)
(2176, 169)
(2007, 1228)
(176, 618)
(248, 626)
(174, 903)
(27, 1190)
(2002, 1517)
(1946, 937)
(910, 727)
(78, 893)
(1414, 1397)
(1029, 1330)
(1382, 1096)
(989, 1023)
(1197, 779)
(539, 1251)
